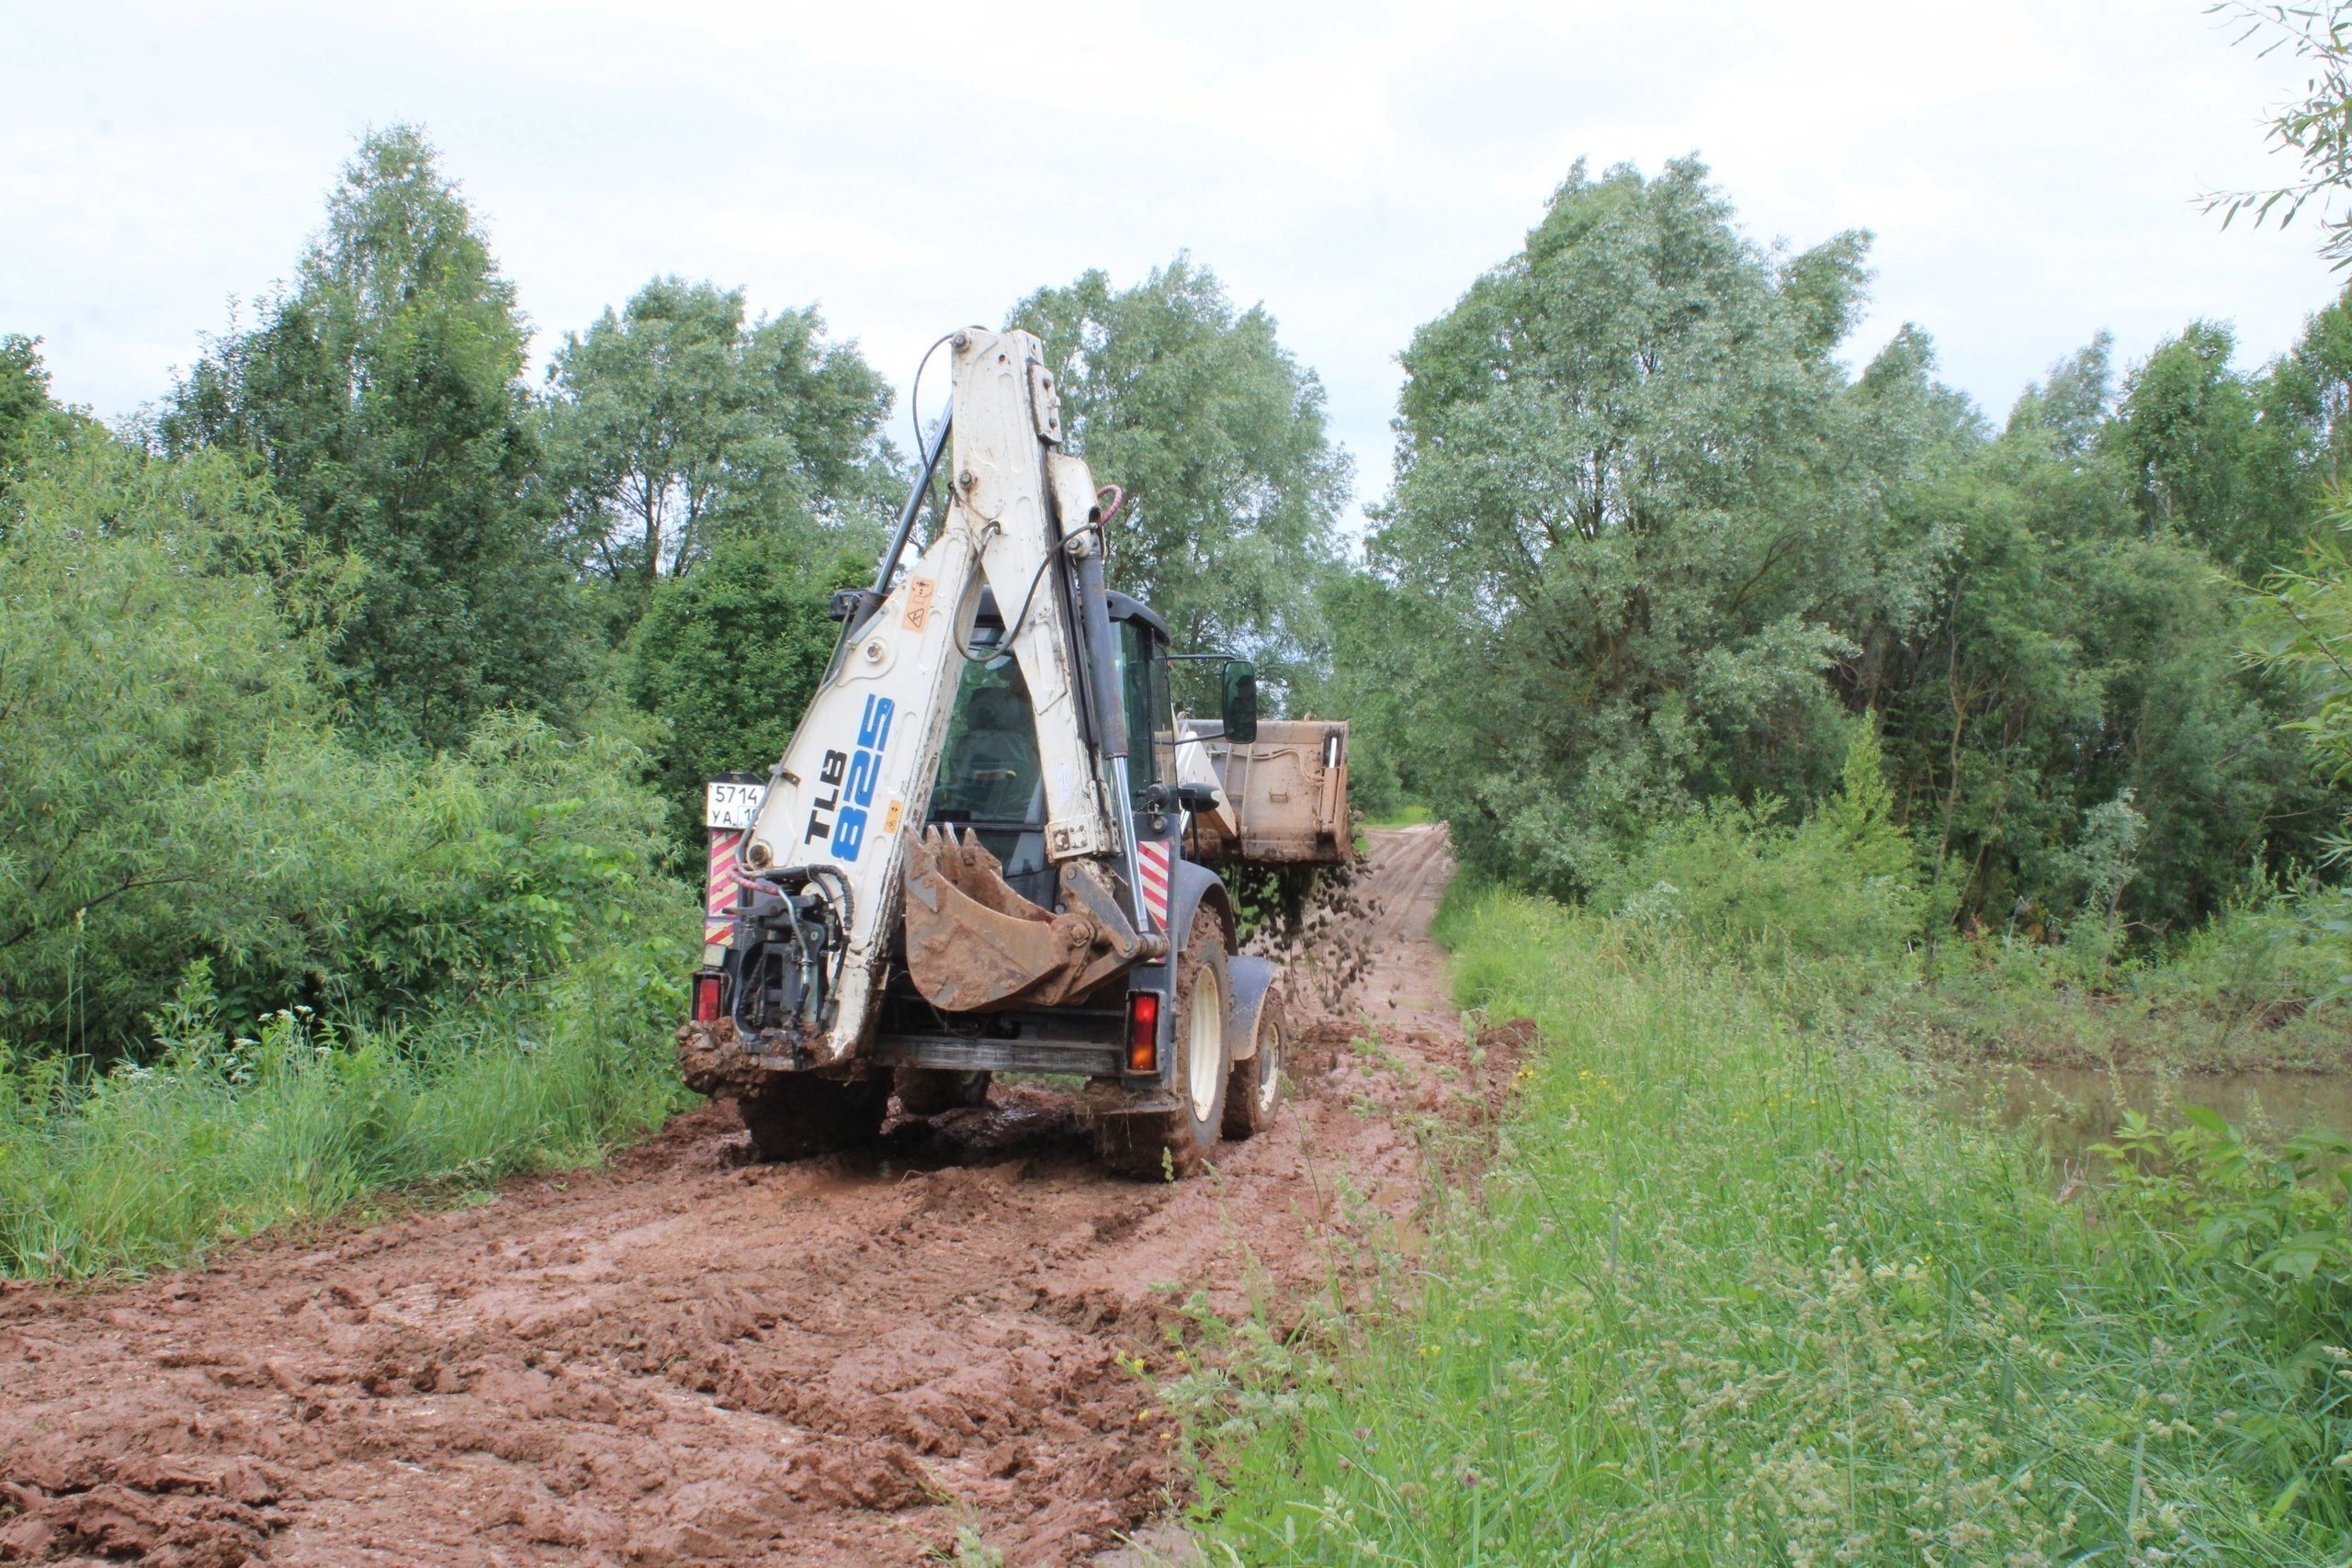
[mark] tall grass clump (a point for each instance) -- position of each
(221, 1134)
(2259, 986)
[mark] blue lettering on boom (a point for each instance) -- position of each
(864, 772)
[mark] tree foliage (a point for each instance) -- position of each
(2316, 129)
(1216, 434)
(727, 657)
(2080, 652)
(382, 394)
(173, 790)
(675, 418)
(1637, 497)
(1682, 546)
(2302, 628)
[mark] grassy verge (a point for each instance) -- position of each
(1732, 1295)
(220, 1136)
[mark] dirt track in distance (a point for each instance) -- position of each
(685, 1359)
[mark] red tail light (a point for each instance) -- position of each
(1143, 1032)
(706, 999)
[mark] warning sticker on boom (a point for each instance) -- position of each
(917, 609)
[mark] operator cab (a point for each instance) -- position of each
(989, 778)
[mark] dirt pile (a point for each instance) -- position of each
(690, 1359)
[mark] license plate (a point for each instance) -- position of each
(728, 804)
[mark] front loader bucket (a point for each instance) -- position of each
(975, 945)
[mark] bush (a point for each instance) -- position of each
(1839, 884)
(172, 789)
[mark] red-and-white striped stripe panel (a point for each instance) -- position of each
(718, 887)
(1151, 861)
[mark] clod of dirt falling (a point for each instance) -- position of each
(685, 1358)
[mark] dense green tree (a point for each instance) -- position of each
(2078, 661)
(728, 657)
(24, 399)
(675, 418)
(172, 790)
(143, 669)
(2230, 461)
(2302, 629)
(383, 394)
(1216, 434)
(2184, 431)
(1640, 508)
(31, 423)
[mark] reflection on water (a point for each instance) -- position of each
(2077, 1107)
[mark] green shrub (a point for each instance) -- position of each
(172, 789)
(223, 1135)
(1838, 884)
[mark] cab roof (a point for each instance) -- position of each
(1123, 608)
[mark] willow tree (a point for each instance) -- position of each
(1639, 519)
(382, 391)
(1216, 434)
(676, 418)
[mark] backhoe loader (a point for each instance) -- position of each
(984, 850)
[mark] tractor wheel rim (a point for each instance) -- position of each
(1270, 1067)
(1204, 1041)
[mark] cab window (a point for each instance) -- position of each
(988, 772)
(1152, 714)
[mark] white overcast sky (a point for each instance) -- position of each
(2031, 170)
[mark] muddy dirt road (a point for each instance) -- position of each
(687, 1358)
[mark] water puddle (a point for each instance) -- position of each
(2074, 1108)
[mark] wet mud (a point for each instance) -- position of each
(688, 1356)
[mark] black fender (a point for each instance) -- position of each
(1253, 979)
(1193, 887)
(1250, 978)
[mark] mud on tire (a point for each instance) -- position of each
(795, 1118)
(1170, 1145)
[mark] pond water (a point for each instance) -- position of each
(2077, 1107)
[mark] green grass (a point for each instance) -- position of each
(220, 1137)
(1731, 1292)
(1401, 816)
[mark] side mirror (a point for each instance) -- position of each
(1240, 701)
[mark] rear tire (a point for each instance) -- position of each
(1254, 1096)
(1171, 1145)
(795, 1118)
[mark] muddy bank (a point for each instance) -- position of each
(687, 1358)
